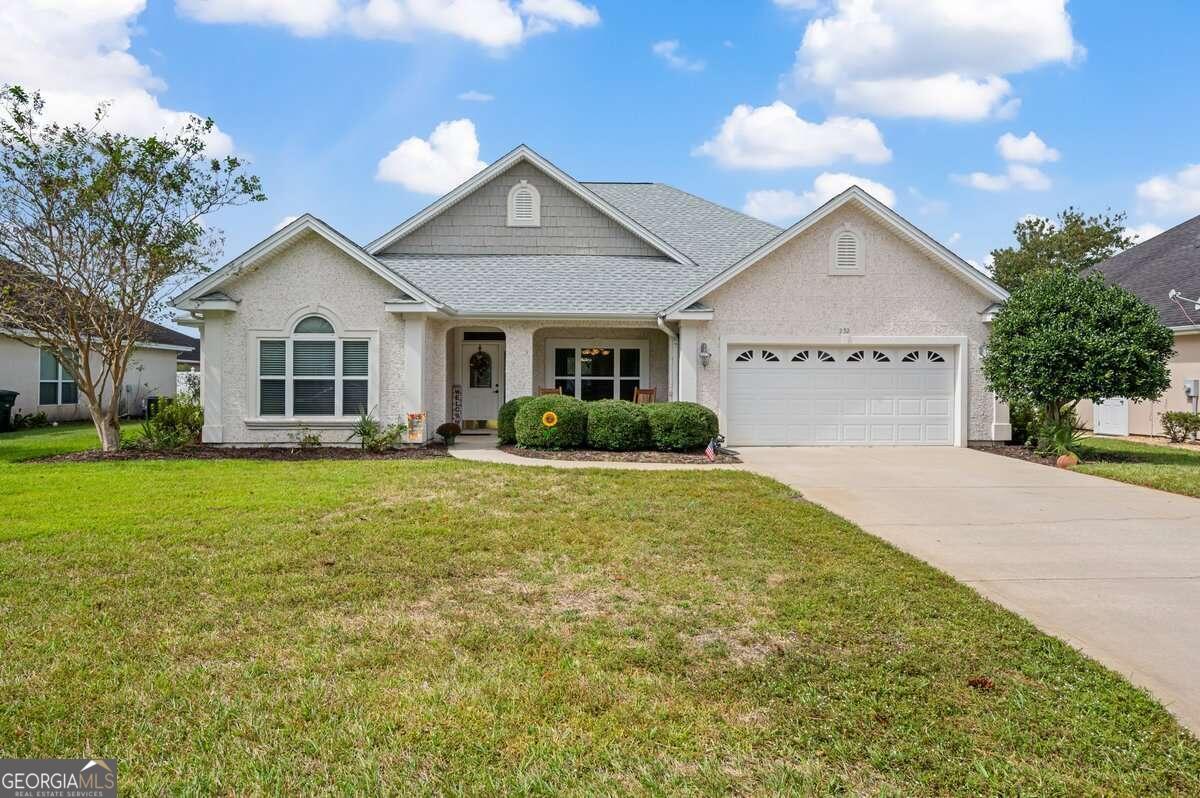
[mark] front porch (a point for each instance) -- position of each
(475, 368)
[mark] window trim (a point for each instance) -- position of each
(616, 344)
(62, 377)
(339, 336)
(536, 219)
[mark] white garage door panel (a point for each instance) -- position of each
(825, 395)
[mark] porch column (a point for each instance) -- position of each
(519, 368)
(415, 329)
(689, 348)
(1001, 424)
(212, 355)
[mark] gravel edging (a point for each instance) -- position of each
(596, 456)
(277, 453)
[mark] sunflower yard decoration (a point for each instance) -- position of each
(549, 419)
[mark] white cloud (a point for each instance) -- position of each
(1017, 175)
(77, 54)
(784, 207)
(492, 23)
(931, 58)
(1143, 232)
(473, 96)
(1172, 195)
(1029, 148)
(796, 5)
(953, 239)
(774, 137)
(284, 222)
(927, 206)
(668, 51)
(436, 165)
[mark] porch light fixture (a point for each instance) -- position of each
(705, 355)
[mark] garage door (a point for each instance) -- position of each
(825, 395)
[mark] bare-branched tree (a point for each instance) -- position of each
(95, 225)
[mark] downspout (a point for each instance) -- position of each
(673, 337)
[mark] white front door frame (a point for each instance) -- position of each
(481, 400)
(960, 344)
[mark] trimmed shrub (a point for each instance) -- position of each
(1179, 425)
(617, 425)
(680, 426)
(177, 423)
(506, 431)
(567, 427)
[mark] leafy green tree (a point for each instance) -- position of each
(1062, 338)
(1072, 242)
(95, 226)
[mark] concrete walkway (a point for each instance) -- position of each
(1113, 569)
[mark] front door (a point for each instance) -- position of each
(482, 374)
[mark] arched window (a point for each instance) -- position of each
(313, 372)
(846, 256)
(524, 206)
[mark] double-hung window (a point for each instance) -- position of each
(313, 372)
(598, 370)
(56, 386)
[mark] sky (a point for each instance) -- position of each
(964, 115)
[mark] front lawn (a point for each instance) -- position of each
(1164, 467)
(248, 627)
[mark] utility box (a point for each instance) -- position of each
(1191, 387)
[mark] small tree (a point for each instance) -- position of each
(1062, 338)
(95, 225)
(1072, 242)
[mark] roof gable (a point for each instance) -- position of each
(570, 184)
(280, 238)
(892, 220)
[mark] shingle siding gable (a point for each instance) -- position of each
(477, 225)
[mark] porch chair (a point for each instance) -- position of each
(644, 396)
(550, 391)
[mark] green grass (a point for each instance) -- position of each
(434, 627)
(1162, 467)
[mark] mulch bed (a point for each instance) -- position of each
(1017, 452)
(247, 453)
(696, 458)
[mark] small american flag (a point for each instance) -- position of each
(711, 451)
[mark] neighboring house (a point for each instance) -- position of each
(46, 387)
(850, 327)
(1152, 269)
(189, 360)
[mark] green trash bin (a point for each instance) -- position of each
(7, 400)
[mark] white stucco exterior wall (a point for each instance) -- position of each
(308, 276)
(903, 292)
(151, 372)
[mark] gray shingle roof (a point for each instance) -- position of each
(712, 235)
(546, 284)
(1170, 260)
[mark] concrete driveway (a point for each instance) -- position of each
(1113, 569)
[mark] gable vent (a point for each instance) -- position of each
(524, 206)
(846, 252)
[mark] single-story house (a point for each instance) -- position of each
(850, 327)
(1153, 269)
(46, 387)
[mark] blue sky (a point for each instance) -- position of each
(909, 97)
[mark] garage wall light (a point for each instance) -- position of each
(705, 355)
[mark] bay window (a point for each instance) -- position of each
(593, 370)
(313, 372)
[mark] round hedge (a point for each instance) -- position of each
(570, 431)
(680, 426)
(506, 431)
(617, 425)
